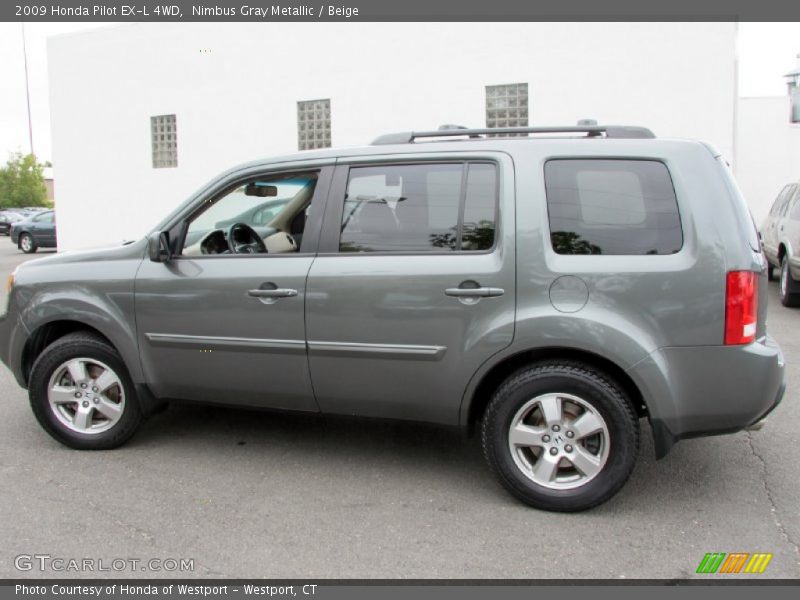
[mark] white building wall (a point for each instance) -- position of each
(768, 151)
(237, 100)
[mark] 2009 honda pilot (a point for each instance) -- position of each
(547, 287)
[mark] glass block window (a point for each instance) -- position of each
(507, 105)
(164, 141)
(314, 124)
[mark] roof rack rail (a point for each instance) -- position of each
(610, 131)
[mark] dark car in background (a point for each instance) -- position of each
(7, 219)
(34, 232)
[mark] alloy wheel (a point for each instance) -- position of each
(86, 395)
(559, 441)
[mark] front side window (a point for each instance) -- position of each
(264, 214)
(794, 204)
(787, 199)
(615, 207)
(420, 208)
(778, 204)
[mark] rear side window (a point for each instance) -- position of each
(615, 207)
(420, 208)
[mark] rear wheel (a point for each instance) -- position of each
(81, 394)
(26, 243)
(770, 272)
(561, 436)
(790, 289)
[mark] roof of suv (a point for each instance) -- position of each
(451, 137)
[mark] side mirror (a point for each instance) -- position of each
(158, 246)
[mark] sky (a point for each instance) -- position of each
(766, 51)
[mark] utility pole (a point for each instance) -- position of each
(27, 87)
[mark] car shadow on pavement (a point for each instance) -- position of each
(252, 437)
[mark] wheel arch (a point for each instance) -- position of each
(781, 252)
(478, 399)
(47, 332)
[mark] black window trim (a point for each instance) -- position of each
(549, 244)
(331, 227)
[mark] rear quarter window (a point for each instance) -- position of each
(613, 207)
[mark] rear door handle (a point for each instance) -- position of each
(480, 292)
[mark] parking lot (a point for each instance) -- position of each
(256, 494)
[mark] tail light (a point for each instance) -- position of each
(741, 307)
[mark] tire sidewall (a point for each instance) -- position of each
(623, 440)
(51, 359)
(791, 296)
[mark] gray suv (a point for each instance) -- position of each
(547, 288)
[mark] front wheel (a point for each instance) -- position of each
(81, 394)
(26, 244)
(561, 436)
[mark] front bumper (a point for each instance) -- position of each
(709, 390)
(13, 337)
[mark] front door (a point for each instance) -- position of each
(223, 320)
(413, 288)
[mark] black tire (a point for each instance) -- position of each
(789, 288)
(26, 243)
(89, 346)
(594, 388)
(770, 272)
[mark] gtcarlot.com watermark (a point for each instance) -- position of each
(59, 564)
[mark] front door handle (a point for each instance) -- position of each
(269, 293)
(274, 293)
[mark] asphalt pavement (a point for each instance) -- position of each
(256, 494)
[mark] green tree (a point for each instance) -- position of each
(22, 182)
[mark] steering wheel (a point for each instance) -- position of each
(243, 239)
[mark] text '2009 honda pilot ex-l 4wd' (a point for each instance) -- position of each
(545, 287)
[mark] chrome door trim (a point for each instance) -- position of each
(394, 351)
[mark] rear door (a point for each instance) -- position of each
(769, 232)
(414, 287)
(43, 229)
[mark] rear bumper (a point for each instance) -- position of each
(709, 390)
